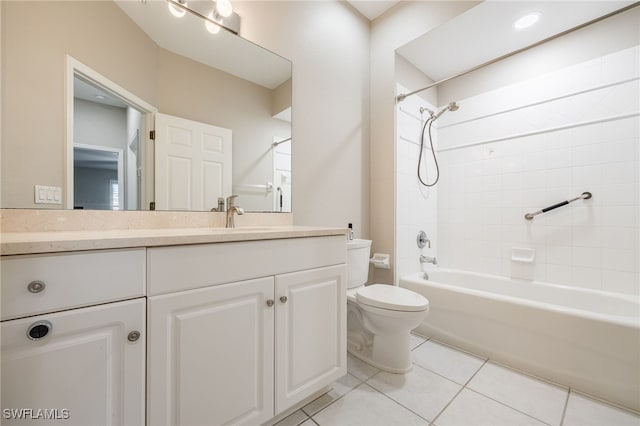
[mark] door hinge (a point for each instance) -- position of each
(152, 135)
(152, 205)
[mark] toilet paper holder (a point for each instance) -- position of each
(380, 260)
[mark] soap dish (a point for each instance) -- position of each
(523, 255)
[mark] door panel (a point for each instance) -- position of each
(211, 355)
(193, 164)
(310, 332)
(85, 365)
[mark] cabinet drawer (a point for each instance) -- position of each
(187, 267)
(70, 280)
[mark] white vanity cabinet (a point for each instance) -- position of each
(251, 329)
(80, 366)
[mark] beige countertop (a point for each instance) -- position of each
(61, 241)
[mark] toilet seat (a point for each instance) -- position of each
(391, 297)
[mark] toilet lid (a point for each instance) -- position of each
(391, 297)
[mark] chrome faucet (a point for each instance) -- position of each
(231, 210)
(427, 259)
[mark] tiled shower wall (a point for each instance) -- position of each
(532, 144)
(416, 205)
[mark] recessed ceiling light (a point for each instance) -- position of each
(526, 21)
(100, 97)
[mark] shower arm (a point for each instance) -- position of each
(401, 97)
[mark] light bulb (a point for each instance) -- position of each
(176, 11)
(210, 26)
(224, 8)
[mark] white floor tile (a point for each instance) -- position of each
(309, 422)
(472, 409)
(583, 411)
(293, 419)
(340, 387)
(448, 362)
(420, 390)
(368, 407)
(534, 397)
(360, 369)
(415, 341)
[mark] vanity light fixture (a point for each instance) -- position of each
(176, 11)
(210, 26)
(224, 8)
(215, 14)
(526, 21)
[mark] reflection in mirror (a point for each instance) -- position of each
(175, 66)
(107, 156)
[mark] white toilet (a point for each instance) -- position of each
(379, 316)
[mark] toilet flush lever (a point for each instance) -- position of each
(422, 240)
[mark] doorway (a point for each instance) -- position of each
(109, 157)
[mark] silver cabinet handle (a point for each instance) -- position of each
(270, 302)
(133, 336)
(39, 329)
(283, 299)
(36, 286)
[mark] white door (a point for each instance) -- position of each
(83, 363)
(282, 175)
(193, 164)
(211, 355)
(311, 330)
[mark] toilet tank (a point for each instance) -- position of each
(357, 262)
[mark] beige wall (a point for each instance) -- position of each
(398, 26)
(36, 36)
(329, 46)
(282, 97)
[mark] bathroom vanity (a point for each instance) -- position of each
(172, 326)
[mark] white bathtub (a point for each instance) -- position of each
(587, 340)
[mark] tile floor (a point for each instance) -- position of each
(451, 387)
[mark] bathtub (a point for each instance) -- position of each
(585, 339)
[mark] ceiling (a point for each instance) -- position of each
(372, 8)
(486, 32)
(87, 91)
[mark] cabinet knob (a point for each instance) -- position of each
(283, 299)
(36, 286)
(133, 336)
(39, 330)
(270, 302)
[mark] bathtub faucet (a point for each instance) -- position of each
(427, 259)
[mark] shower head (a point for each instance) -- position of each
(451, 107)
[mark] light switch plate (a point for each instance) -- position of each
(48, 194)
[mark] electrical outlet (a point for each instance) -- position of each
(48, 194)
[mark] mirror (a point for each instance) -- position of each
(77, 75)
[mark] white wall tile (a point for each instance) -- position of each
(489, 187)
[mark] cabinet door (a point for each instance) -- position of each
(211, 355)
(83, 371)
(310, 332)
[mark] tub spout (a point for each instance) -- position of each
(427, 259)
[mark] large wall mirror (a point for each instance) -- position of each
(84, 83)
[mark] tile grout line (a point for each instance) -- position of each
(503, 403)
(509, 407)
(337, 399)
(566, 405)
(463, 387)
(397, 402)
